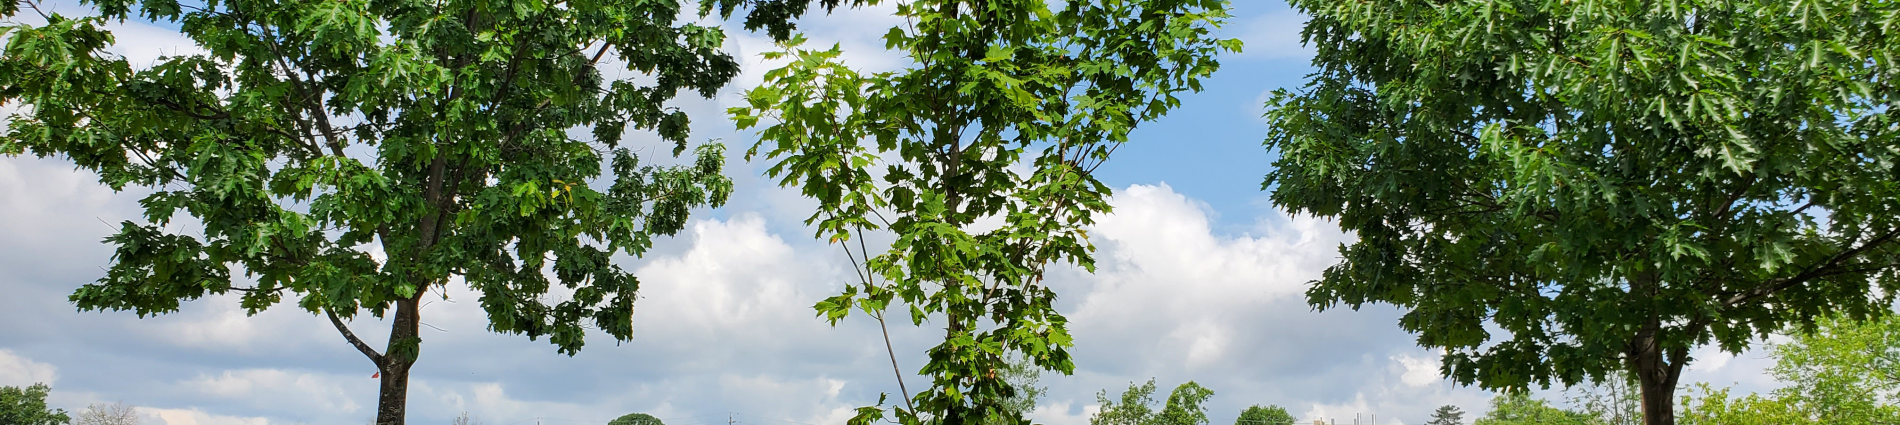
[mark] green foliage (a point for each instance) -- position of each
(1136, 406)
(1843, 370)
(1270, 415)
(27, 406)
(979, 158)
(636, 419)
(358, 154)
(1022, 376)
(1715, 407)
(1607, 183)
(1445, 415)
(1839, 371)
(1521, 409)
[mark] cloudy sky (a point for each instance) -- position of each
(1201, 280)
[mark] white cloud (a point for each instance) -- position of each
(19, 371)
(194, 416)
(286, 392)
(1417, 371)
(1276, 36)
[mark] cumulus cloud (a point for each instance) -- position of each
(16, 370)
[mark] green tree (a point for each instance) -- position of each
(355, 155)
(978, 160)
(27, 406)
(1715, 407)
(1843, 370)
(636, 419)
(1607, 184)
(1522, 409)
(1022, 376)
(1446, 415)
(1269, 415)
(1136, 406)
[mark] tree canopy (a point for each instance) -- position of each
(1447, 415)
(358, 154)
(636, 419)
(1842, 371)
(1136, 406)
(1560, 190)
(1269, 415)
(27, 406)
(978, 159)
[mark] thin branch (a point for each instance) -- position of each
(374, 357)
(1819, 270)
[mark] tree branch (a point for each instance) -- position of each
(374, 357)
(1819, 270)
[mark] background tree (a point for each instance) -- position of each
(358, 154)
(1022, 375)
(1447, 415)
(1843, 370)
(1717, 407)
(1522, 409)
(1608, 183)
(978, 160)
(465, 419)
(1611, 401)
(1136, 406)
(636, 419)
(27, 406)
(117, 413)
(1270, 415)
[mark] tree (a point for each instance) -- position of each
(356, 155)
(1447, 415)
(1521, 409)
(1136, 406)
(977, 159)
(1270, 415)
(636, 419)
(465, 419)
(1612, 401)
(1608, 184)
(1022, 376)
(27, 406)
(1842, 370)
(109, 414)
(1715, 407)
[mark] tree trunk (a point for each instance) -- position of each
(1656, 375)
(404, 345)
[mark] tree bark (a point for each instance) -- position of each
(1657, 374)
(399, 356)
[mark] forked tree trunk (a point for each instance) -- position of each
(1657, 373)
(399, 356)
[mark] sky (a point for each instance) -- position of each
(1201, 278)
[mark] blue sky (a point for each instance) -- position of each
(1201, 279)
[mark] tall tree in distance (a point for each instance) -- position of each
(1610, 184)
(355, 155)
(1447, 415)
(1269, 415)
(978, 159)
